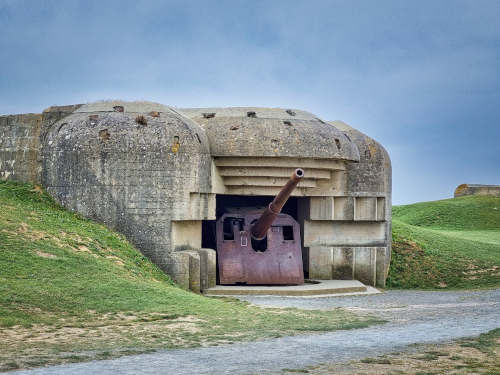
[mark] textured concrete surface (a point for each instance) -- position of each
(476, 189)
(138, 177)
(371, 177)
(323, 287)
(414, 317)
(271, 132)
(21, 138)
(208, 269)
(19, 147)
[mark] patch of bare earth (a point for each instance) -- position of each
(45, 255)
(453, 358)
(474, 272)
(103, 336)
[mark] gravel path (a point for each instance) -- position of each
(414, 317)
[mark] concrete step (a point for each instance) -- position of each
(321, 174)
(310, 288)
(265, 181)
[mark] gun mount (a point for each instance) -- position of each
(262, 225)
(256, 247)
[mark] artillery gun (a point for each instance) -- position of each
(261, 247)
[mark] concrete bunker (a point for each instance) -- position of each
(165, 180)
(477, 189)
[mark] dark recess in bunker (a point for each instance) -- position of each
(228, 203)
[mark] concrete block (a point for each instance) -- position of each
(208, 272)
(380, 208)
(202, 206)
(343, 263)
(177, 267)
(365, 264)
(323, 288)
(344, 208)
(211, 268)
(194, 270)
(339, 181)
(186, 234)
(365, 208)
(322, 208)
(333, 233)
(320, 263)
(382, 266)
(20, 148)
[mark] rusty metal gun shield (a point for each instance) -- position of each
(276, 259)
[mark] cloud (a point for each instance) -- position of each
(422, 78)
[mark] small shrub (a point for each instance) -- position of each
(141, 120)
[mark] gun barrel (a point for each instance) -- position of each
(261, 226)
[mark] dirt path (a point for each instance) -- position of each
(414, 317)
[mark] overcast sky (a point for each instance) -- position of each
(421, 77)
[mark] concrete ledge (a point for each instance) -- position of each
(323, 287)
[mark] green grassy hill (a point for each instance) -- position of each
(452, 243)
(72, 290)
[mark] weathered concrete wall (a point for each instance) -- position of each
(136, 167)
(271, 132)
(21, 138)
(476, 189)
(20, 147)
(350, 233)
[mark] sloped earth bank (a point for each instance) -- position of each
(415, 317)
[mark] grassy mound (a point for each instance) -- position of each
(70, 286)
(452, 243)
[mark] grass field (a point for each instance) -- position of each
(72, 290)
(452, 243)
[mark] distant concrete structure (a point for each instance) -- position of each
(162, 176)
(477, 189)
